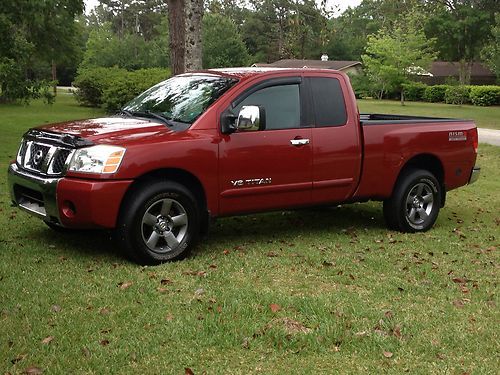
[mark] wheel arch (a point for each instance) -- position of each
(428, 162)
(181, 176)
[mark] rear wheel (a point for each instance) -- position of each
(415, 202)
(158, 222)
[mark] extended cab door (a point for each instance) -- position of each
(268, 168)
(337, 149)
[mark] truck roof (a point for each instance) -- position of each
(248, 72)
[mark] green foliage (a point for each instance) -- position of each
(126, 87)
(414, 91)
(485, 95)
(91, 83)
(35, 34)
(220, 52)
(491, 52)
(113, 87)
(457, 94)
(461, 29)
(392, 55)
(361, 85)
(130, 51)
(435, 94)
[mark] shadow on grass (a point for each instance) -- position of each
(311, 221)
(94, 244)
(99, 245)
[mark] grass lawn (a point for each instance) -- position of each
(485, 117)
(308, 291)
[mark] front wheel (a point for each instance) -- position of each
(158, 222)
(415, 202)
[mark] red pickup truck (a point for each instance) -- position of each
(227, 142)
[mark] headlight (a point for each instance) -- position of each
(97, 159)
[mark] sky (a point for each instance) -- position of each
(343, 5)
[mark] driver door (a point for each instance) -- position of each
(269, 168)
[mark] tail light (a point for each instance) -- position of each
(472, 133)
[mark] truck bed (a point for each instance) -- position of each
(382, 119)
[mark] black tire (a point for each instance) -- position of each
(415, 202)
(159, 222)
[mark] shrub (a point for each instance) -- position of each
(92, 82)
(485, 95)
(457, 94)
(361, 85)
(435, 93)
(113, 87)
(414, 91)
(128, 86)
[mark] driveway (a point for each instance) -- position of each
(489, 136)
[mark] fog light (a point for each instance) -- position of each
(68, 209)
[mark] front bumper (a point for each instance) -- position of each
(476, 171)
(69, 202)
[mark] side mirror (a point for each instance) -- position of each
(250, 118)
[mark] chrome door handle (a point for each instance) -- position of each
(299, 142)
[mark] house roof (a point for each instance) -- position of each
(452, 69)
(313, 64)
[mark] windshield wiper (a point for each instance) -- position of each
(155, 115)
(125, 112)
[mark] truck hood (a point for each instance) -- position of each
(110, 129)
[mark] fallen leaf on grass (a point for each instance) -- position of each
(125, 285)
(33, 370)
(396, 332)
(86, 352)
(458, 303)
(292, 326)
(104, 311)
(166, 282)
(274, 307)
(56, 308)
(104, 342)
(188, 371)
(459, 280)
(169, 317)
(388, 354)
(388, 314)
(47, 340)
(18, 358)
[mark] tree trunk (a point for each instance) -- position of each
(185, 18)
(193, 17)
(54, 77)
(402, 97)
(176, 35)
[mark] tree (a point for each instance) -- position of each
(35, 35)
(393, 56)
(222, 52)
(491, 52)
(461, 29)
(185, 24)
(131, 51)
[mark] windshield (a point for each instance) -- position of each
(181, 98)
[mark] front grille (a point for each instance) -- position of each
(43, 158)
(37, 156)
(60, 159)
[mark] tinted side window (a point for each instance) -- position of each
(329, 105)
(282, 105)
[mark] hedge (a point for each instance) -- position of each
(457, 94)
(414, 91)
(485, 95)
(112, 88)
(435, 94)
